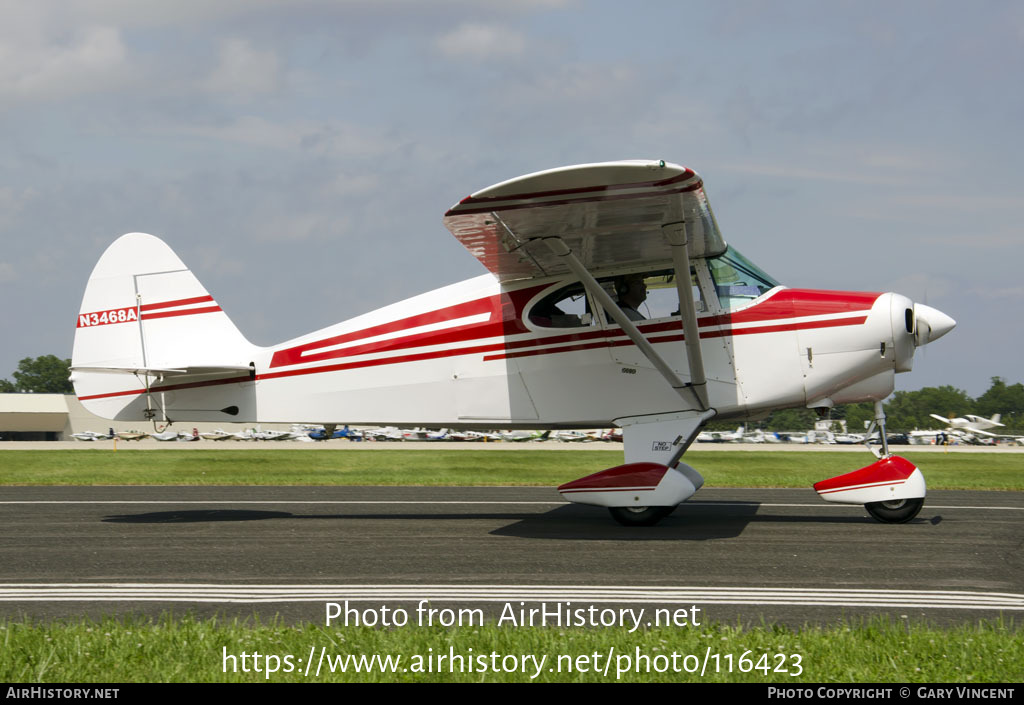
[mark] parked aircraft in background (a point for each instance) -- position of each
(172, 435)
(850, 439)
(388, 433)
(612, 298)
(520, 436)
(971, 424)
(220, 435)
(736, 436)
(572, 436)
(90, 436)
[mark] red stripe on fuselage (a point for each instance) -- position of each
(790, 303)
(301, 353)
(673, 338)
(787, 303)
(169, 388)
(505, 319)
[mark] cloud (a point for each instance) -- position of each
(36, 67)
(244, 71)
(473, 40)
(294, 228)
(13, 201)
(1004, 294)
(320, 138)
(841, 161)
(969, 204)
(980, 239)
(189, 13)
(794, 172)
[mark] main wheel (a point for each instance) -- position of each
(898, 511)
(639, 516)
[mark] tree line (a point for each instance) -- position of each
(905, 411)
(47, 374)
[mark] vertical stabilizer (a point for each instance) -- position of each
(146, 322)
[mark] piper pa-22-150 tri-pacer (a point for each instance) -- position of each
(611, 298)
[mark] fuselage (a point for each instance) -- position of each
(535, 354)
(471, 355)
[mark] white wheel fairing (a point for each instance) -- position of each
(636, 485)
(911, 488)
(887, 480)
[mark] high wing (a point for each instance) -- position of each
(610, 214)
(588, 218)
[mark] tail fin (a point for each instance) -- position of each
(147, 327)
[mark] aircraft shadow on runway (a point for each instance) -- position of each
(695, 522)
(709, 520)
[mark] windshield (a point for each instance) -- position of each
(738, 281)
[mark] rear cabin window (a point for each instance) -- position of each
(567, 307)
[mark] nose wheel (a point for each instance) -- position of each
(639, 516)
(898, 511)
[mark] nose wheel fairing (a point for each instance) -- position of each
(892, 489)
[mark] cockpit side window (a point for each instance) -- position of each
(650, 295)
(643, 296)
(566, 307)
(738, 281)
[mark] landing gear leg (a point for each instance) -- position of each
(892, 489)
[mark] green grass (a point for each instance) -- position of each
(999, 471)
(192, 650)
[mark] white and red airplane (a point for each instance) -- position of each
(557, 335)
(971, 424)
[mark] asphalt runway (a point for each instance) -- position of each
(739, 555)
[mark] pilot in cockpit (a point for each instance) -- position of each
(632, 291)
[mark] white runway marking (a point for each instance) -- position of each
(468, 502)
(207, 593)
(268, 501)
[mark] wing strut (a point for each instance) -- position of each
(693, 399)
(678, 236)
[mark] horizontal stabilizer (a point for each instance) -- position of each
(165, 372)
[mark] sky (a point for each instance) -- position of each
(299, 156)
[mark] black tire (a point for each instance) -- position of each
(898, 511)
(639, 516)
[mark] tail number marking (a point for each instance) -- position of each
(102, 318)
